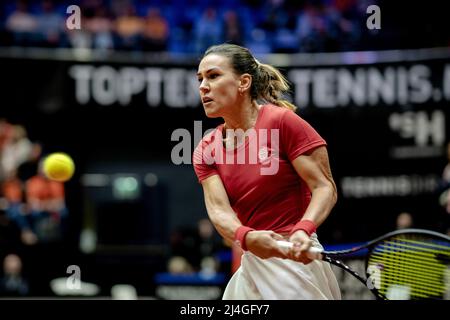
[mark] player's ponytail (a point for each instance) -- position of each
(268, 83)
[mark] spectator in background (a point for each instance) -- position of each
(279, 23)
(16, 150)
(12, 283)
(178, 265)
(273, 16)
(50, 26)
(101, 27)
(196, 246)
(258, 42)
(22, 25)
(311, 29)
(209, 267)
(342, 31)
(233, 32)
(13, 193)
(207, 30)
(5, 132)
(156, 31)
(46, 204)
(129, 27)
(16, 212)
(182, 244)
(404, 221)
(209, 244)
(30, 166)
(117, 6)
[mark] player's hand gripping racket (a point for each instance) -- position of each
(404, 264)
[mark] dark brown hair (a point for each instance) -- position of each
(268, 83)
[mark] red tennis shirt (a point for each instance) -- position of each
(263, 187)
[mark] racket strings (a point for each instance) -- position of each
(419, 266)
(409, 261)
(408, 266)
(436, 285)
(418, 245)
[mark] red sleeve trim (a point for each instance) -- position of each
(306, 148)
(202, 178)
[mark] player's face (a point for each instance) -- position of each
(219, 85)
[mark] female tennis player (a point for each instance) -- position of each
(265, 176)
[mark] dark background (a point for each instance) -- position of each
(133, 237)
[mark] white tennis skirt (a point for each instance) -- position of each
(282, 279)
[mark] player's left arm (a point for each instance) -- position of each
(314, 168)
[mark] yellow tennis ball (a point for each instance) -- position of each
(59, 167)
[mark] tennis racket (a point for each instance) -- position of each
(404, 264)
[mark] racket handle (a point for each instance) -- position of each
(313, 252)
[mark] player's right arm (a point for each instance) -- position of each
(222, 215)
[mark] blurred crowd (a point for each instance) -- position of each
(32, 208)
(181, 26)
(197, 250)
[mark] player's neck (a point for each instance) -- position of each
(245, 118)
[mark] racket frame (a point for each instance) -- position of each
(335, 257)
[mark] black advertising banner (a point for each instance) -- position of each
(384, 119)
